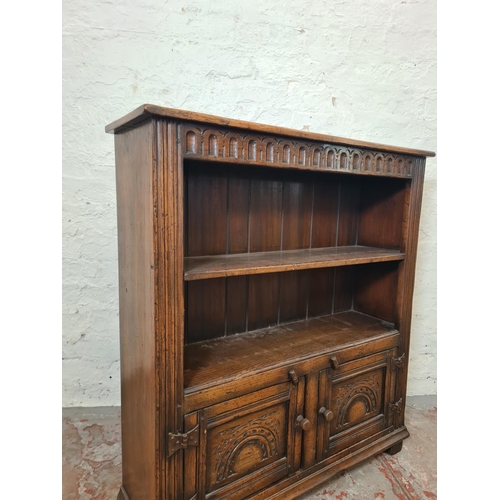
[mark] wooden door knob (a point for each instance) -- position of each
(327, 414)
(304, 423)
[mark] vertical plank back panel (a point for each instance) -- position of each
(266, 203)
(253, 210)
(347, 234)
(205, 315)
(297, 208)
(263, 300)
(320, 292)
(206, 210)
(293, 295)
(238, 208)
(236, 304)
(325, 210)
(342, 295)
(348, 212)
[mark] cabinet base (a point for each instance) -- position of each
(122, 494)
(295, 486)
(395, 448)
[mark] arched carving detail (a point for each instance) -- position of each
(361, 392)
(330, 159)
(356, 161)
(260, 433)
(365, 396)
(343, 161)
(367, 162)
(191, 142)
(286, 154)
(302, 156)
(252, 150)
(233, 147)
(390, 164)
(213, 145)
(400, 166)
(270, 152)
(230, 144)
(316, 157)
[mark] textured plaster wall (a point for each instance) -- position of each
(364, 69)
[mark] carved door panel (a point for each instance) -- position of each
(245, 444)
(355, 403)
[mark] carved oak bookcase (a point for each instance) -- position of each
(265, 279)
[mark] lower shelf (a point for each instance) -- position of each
(221, 360)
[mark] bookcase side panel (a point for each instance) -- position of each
(134, 169)
(406, 279)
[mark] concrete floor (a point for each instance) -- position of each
(92, 459)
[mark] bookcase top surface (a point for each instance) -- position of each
(148, 110)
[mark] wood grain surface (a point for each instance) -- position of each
(146, 111)
(266, 281)
(136, 259)
(217, 266)
(220, 360)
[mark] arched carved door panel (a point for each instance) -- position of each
(245, 444)
(355, 402)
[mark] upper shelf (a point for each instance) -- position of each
(147, 110)
(221, 266)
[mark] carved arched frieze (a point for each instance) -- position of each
(213, 145)
(230, 144)
(330, 158)
(389, 164)
(400, 166)
(252, 148)
(270, 149)
(233, 146)
(343, 161)
(316, 157)
(367, 162)
(286, 157)
(191, 142)
(408, 167)
(356, 160)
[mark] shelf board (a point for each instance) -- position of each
(216, 361)
(221, 266)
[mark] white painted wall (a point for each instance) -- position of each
(364, 70)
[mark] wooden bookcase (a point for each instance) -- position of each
(266, 279)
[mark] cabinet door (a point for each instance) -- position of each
(245, 444)
(355, 403)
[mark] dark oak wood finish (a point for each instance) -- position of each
(146, 111)
(266, 282)
(320, 300)
(214, 361)
(200, 268)
(208, 299)
(206, 228)
(136, 262)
